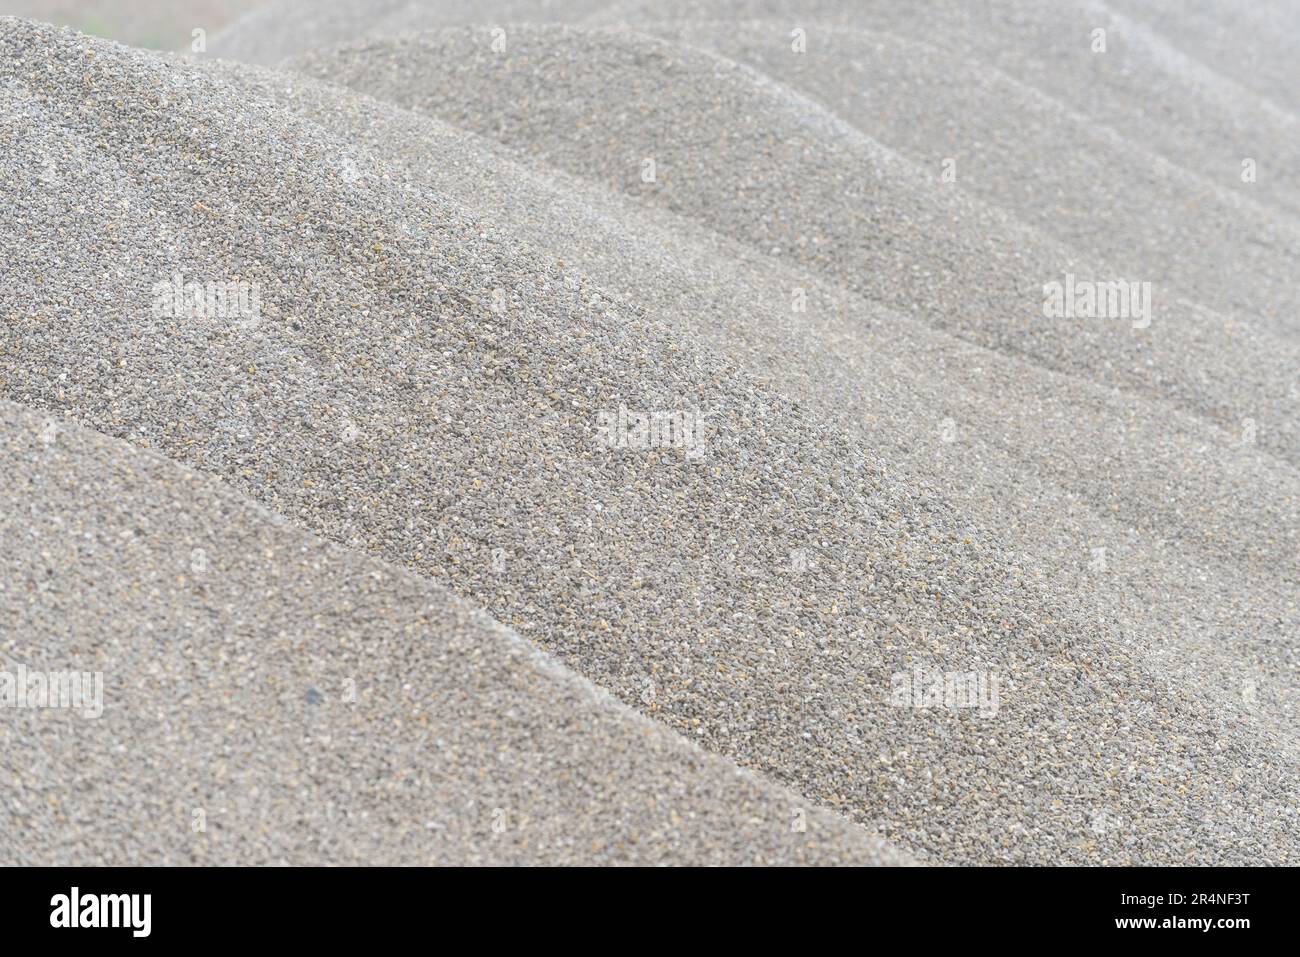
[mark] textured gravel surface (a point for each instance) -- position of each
(1102, 196)
(459, 276)
(852, 238)
(1143, 85)
(894, 382)
(782, 174)
(1192, 82)
(271, 698)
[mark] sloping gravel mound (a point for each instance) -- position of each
(1105, 196)
(1142, 85)
(268, 697)
(423, 385)
(760, 164)
(933, 407)
(1203, 85)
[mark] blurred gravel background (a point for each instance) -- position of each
(155, 24)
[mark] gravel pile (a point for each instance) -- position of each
(1204, 86)
(905, 476)
(777, 181)
(269, 698)
(1143, 86)
(894, 383)
(1104, 196)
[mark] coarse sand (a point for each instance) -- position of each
(407, 476)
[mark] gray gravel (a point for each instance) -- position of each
(892, 381)
(1105, 195)
(271, 698)
(975, 281)
(1202, 85)
(1144, 86)
(385, 404)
